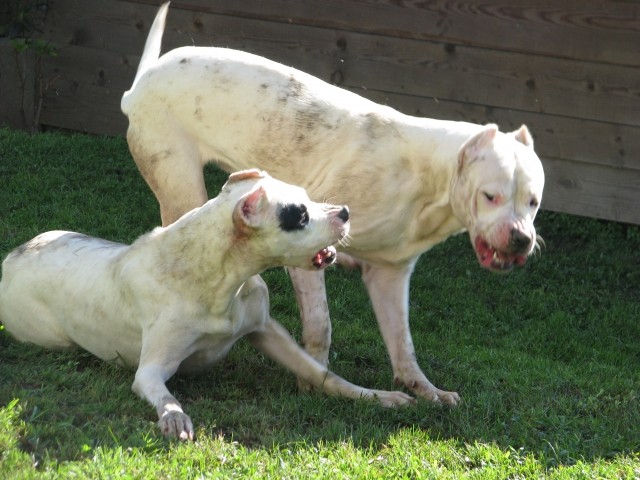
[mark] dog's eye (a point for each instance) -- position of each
(534, 203)
(489, 197)
(293, 217)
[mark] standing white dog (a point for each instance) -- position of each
(410, 182)
(179, 297)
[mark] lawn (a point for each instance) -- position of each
(546, 359)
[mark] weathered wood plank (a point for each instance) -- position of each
(606, 31)
(101, 24)
(86, 93)
(493, 78)
(84, 106)
(464, 74)
(591, 190)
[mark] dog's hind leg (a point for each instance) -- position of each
(172, 167)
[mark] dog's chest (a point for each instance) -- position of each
(248, 312)
(210, 348)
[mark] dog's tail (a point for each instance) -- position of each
(152, 46)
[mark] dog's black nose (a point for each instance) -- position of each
(519, 241)
(344, 214)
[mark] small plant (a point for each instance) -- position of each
(25, 19)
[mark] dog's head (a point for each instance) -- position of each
(496, 193)
(283, 225)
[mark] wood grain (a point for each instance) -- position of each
(591, 190)
(465, 74)
(592, 30)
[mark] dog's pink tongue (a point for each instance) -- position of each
(324, 258)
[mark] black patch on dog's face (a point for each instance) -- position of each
(293, 217)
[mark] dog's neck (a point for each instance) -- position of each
(439, 144)
(200, 256)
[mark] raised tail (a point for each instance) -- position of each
(151, 51)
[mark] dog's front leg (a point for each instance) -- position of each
(314, 313)
(150, 385)
(276, 342)
(388, 289)
(162, 353)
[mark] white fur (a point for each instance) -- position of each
(410, 182)
(179, 297)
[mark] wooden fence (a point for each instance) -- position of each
(570, 70)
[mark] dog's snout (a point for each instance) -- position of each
(519, 241)
(344, 214)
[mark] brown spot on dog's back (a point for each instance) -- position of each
(309, 118)
(296, 87)
(28, 247)
(38, 243)
(294, 90)
(311, 125)
(377, 126)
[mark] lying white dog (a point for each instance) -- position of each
(410, 182)
(179, 297)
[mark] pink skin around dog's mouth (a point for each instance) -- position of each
(324, 258)
(495, 260)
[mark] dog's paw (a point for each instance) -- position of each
(427, 391)
(176, 424)
(446, 398)
(441, 397)
(392, 399)
(304, 386)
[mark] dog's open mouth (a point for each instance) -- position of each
(324, 258)
(497, 260)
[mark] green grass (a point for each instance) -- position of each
(546, 359)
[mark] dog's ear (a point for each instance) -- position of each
(523, 136)
(468, 151)
(251, 208)
(246, 175)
